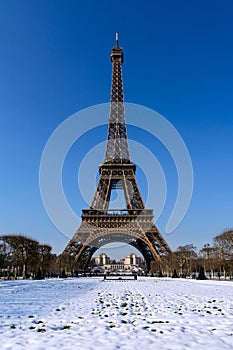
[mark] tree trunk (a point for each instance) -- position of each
(24, 271)
(15, 273)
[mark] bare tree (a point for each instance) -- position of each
(7, 258)
(66, 264)
(224, 246)
(209, 258)
(44, 251)
(186, 259)
(24, 248)
(224, 242)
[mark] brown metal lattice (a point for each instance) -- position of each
(134, 224)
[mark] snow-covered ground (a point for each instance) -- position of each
(89, 313)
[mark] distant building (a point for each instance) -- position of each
(102, 259)
(130, 263)
(131, 259)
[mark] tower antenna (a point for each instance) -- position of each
(117, 46)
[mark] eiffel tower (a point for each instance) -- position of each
(134, 224)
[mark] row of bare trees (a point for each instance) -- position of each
(215, 259)
(21, 256)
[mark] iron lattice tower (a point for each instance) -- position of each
(134, 224)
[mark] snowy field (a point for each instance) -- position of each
(89, 313)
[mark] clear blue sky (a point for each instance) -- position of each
(54, 62)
